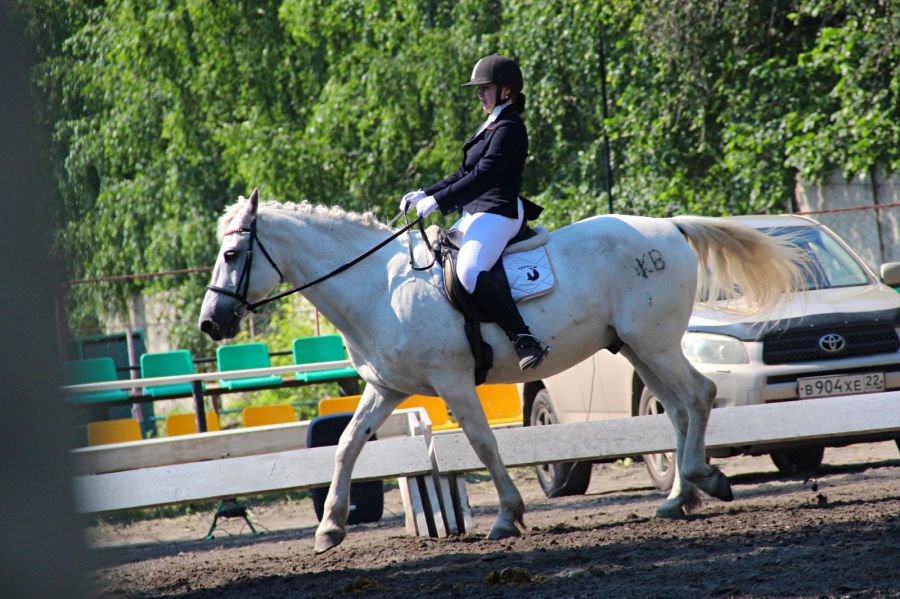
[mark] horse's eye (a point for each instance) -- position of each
(230, 255)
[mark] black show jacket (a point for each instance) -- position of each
(490, 177)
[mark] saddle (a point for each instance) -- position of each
(445, 247)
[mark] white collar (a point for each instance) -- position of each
(495, 114)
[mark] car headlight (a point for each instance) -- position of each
(706, 348)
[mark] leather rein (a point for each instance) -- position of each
(243, 284)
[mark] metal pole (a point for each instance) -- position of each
(199, 407)
(606, 150)
(318, 331)
(136, 412)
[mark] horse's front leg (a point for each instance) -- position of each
(374, 407)
(467, 410)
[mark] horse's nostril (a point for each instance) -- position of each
(207, 326)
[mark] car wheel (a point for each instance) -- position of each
(557, 480)
(660, 466)
(801, 460)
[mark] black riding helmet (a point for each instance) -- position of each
(497, 69)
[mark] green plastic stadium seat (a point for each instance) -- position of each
(247, 355)
(324, 348)
(93, 370)
(172, 363)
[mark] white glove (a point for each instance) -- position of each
(411, 198)
(426, 206)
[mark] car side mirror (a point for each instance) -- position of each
(890, 274)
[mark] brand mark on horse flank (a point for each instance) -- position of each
(649, 262)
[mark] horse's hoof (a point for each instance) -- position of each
(671, 510)
(716, 485)
(500, 531)
(328, 539)
(519, 514)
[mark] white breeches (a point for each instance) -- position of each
(485, 236)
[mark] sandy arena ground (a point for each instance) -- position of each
(835, 536)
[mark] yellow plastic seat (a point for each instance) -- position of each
(338, 405)
(501, 404)
(434, 406)
(436, 409)
(113, 431)
(274, 414)
(186, 424)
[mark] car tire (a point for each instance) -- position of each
(557, 480)
(800, 460)
(660, 466)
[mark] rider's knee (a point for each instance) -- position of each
(467, 275)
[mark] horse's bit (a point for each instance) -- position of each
(243, 284)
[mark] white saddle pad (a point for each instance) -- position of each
(530, 273)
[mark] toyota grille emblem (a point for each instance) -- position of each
(832, 343)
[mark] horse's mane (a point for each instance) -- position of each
(303, 210)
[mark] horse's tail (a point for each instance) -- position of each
(737, 262)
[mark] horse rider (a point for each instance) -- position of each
(485, 191)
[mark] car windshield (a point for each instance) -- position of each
(832, 265)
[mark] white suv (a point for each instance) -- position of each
(842, 337)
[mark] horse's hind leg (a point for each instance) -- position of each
(688, 398)
(467, 410)
(375, 406)
(683, 497)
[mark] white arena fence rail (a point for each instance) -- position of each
(430, 468)
(804, 420)
(221, 464)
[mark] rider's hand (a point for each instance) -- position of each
(411, 198)
(426, 206)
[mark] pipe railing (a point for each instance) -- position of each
(206, 376)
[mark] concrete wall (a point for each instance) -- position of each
(873, 234)
(154, 313)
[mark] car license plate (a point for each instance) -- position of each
(842, 384)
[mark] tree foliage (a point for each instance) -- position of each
(163, 111)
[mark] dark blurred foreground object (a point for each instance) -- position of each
(41, 547)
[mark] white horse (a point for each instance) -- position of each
(626, 276)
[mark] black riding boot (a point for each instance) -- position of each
(495, 299)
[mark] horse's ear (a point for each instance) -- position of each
(254, 201)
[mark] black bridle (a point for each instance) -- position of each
(243, 284)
